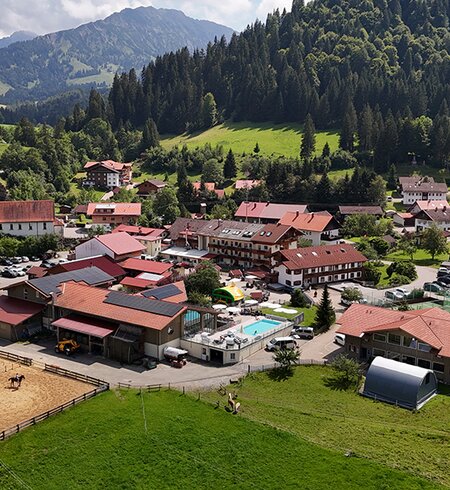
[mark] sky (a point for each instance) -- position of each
(54, 15)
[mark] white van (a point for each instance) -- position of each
(303, 332)
(278, 343)
(339, 338)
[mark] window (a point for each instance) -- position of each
(1, 227)
(380, 337)
(409, 342)
(297, 283)
(394, 339)
(25, 293)
(30, 226)
(352, 348)
(424, 363)
(19, 226)
(378, 352)
(44, 225)
(424, 347)
(288, 282)
(232, 356)
(437, 366)
(409, 360)
(11, 227)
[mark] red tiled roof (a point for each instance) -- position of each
(102, 262)
(272, 233)
(437, 215)
(37, 271)
(117, 209)
(308, 222)
(424, 205)
(120, 243)
(139, 230)
(425, 186)
(155, 182)
(88, 326)
(111, 164)
(151, 266)
(209, 186)
(246, 184)
(90, 301)
(322, 255)
(430, 325)
(80, 209)
(267, 210)
(26, 211)
(15, 311)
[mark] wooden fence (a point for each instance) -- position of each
(101, 386)
(43, 416)
(274, 365)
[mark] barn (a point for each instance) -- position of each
(399, 383)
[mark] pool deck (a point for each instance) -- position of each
(237, 331)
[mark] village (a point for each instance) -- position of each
(127, 303)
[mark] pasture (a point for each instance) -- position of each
(241, 137)
(125, 439)
(39, 392)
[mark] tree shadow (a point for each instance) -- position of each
(338, 383)
(280, 374)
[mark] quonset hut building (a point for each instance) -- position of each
(399, 383)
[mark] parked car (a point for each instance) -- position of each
(5, 262)
(11, 274)
(444, 281)
(403, 291)
(303, 332)
(339, 339)
(16, 260)
(278, 343)
(25, 258)
(35, 259)
(443, 271)
(394, 295)
(433, 287)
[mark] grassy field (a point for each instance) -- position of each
(421, 257)
(124, 440)
(304, 405)
(276, 139)
(309, 314)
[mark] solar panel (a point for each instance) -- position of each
(142, 304)
(162, 292)
(89, 275)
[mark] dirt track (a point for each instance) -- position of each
(39, 392)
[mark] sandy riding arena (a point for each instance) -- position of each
(39, 392)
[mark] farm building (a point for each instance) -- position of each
(399, 383)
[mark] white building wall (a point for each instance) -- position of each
(283, 277)
(28, 229)
(92, 248)
(112, 180)
(412, 197)
(314, 236)
(421, 224)
(157, 351)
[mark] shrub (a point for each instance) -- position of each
(371, 273)
(298, 298)
(407, 269)
(398, 279)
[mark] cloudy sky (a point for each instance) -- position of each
(54, 15)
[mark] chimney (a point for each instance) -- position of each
(297, 213)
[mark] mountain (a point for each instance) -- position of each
(94, 52)
(16, 37)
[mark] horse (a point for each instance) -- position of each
(18, 378)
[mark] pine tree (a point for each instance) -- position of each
(230, 168)
(308, 144)
(150, 135)
(392, 177)
(209, 111)
(96, 107)
(326, 151)
(325, 315)
(256, 149)
(324, 190)
(348, 130)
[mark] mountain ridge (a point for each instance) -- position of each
(92, 53)
(15, 37)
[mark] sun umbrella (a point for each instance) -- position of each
(250, 302)
(233, 309)
(220, 307)
(285, 310)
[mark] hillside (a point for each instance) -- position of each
(273, 139)
(129, 440)
(92, 53)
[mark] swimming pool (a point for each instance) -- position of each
(261, 326)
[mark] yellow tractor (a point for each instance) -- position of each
(67, 346)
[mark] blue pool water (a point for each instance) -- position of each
(261, 326)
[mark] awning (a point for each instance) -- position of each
(88, 326)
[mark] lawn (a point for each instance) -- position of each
(421, 257)
(417, 443)
(276, 139)
(309, 314)
(124, 440)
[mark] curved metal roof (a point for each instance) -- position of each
(399, 383)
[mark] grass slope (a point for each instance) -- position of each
(416, 443)
(421, 257)
(181, 443)
(277, 139)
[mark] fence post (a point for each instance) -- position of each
(183, 390)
